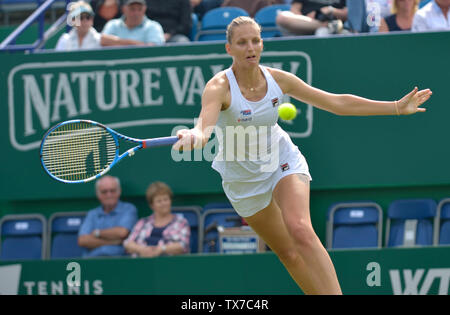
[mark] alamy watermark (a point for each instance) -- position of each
(258, 144)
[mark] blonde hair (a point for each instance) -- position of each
(157, 188)
(240, 20)
(394, 6)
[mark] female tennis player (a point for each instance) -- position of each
(274, 201)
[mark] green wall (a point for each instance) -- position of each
(350, 158)
(384, 271)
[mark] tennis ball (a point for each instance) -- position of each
(287, 111)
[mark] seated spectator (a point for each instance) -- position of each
(251, 6)
(434, 16)
(376, 10)
(308, 17)
(174, 17)
(82, 35)
(161, 233)
(133, 28)
(402, 17)
(105, 10)
(106, 226)
(200, 7)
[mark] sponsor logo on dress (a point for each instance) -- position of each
(284, 167)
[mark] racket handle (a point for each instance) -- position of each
(159, 142)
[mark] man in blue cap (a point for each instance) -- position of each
(134, 25)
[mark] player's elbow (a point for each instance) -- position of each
(338, 106)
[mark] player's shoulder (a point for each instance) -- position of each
(277, 73)
(219, 82)
(283, 78)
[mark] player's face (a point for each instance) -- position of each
(246, 44)
(161, 204)
(108, 193)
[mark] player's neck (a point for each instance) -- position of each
(247, 77)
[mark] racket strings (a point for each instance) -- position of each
(78, 151)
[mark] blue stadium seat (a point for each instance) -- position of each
(212, 220)
(192, 214)
(214, 23)
(194, 28)
(266, 17)
(217, 205)
(442, 223)
(23, 237)
(410, 222)
(63, 234)
(356, 224)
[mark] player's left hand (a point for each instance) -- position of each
(410, 103)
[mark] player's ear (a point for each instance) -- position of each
(227, 48)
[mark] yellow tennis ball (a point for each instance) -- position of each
(287, 111)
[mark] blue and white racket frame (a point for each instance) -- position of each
(142, 144)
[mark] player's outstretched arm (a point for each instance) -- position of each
(349, 104)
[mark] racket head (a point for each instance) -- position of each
(78, 151)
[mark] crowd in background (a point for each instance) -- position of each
(113, 228)
(102, 23)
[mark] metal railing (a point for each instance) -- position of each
(38, 15)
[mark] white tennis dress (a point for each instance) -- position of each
(254, 152)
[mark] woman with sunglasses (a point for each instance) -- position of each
(82, 35)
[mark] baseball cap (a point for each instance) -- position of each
(80, 7)
(128, 2)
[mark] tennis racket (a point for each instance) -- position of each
(78, 151)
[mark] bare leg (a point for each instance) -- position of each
(289, 233)
(292, 195)
(298, 24)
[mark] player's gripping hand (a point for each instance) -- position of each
(189, 139)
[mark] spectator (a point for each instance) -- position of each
(174, 17)
(82, 35)
(433, 16)
(308, 17)
(402, 17)
(105, 10)
(251, 6)
(200, 7)
(106, 226)
(161, 233)
(133, 28)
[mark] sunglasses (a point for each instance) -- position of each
(84, 17)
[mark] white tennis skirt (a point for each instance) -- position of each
(249, 197)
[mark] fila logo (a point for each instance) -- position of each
(284, 167)
(275, 102)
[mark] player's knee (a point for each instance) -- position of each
(302, 232)
(289, 256)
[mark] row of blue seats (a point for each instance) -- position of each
(214, 23)
(409, 223)
(31, 236)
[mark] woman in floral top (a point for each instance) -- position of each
(162, 233)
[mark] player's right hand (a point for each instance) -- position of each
(186, 140)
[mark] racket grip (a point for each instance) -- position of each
(159, 142)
